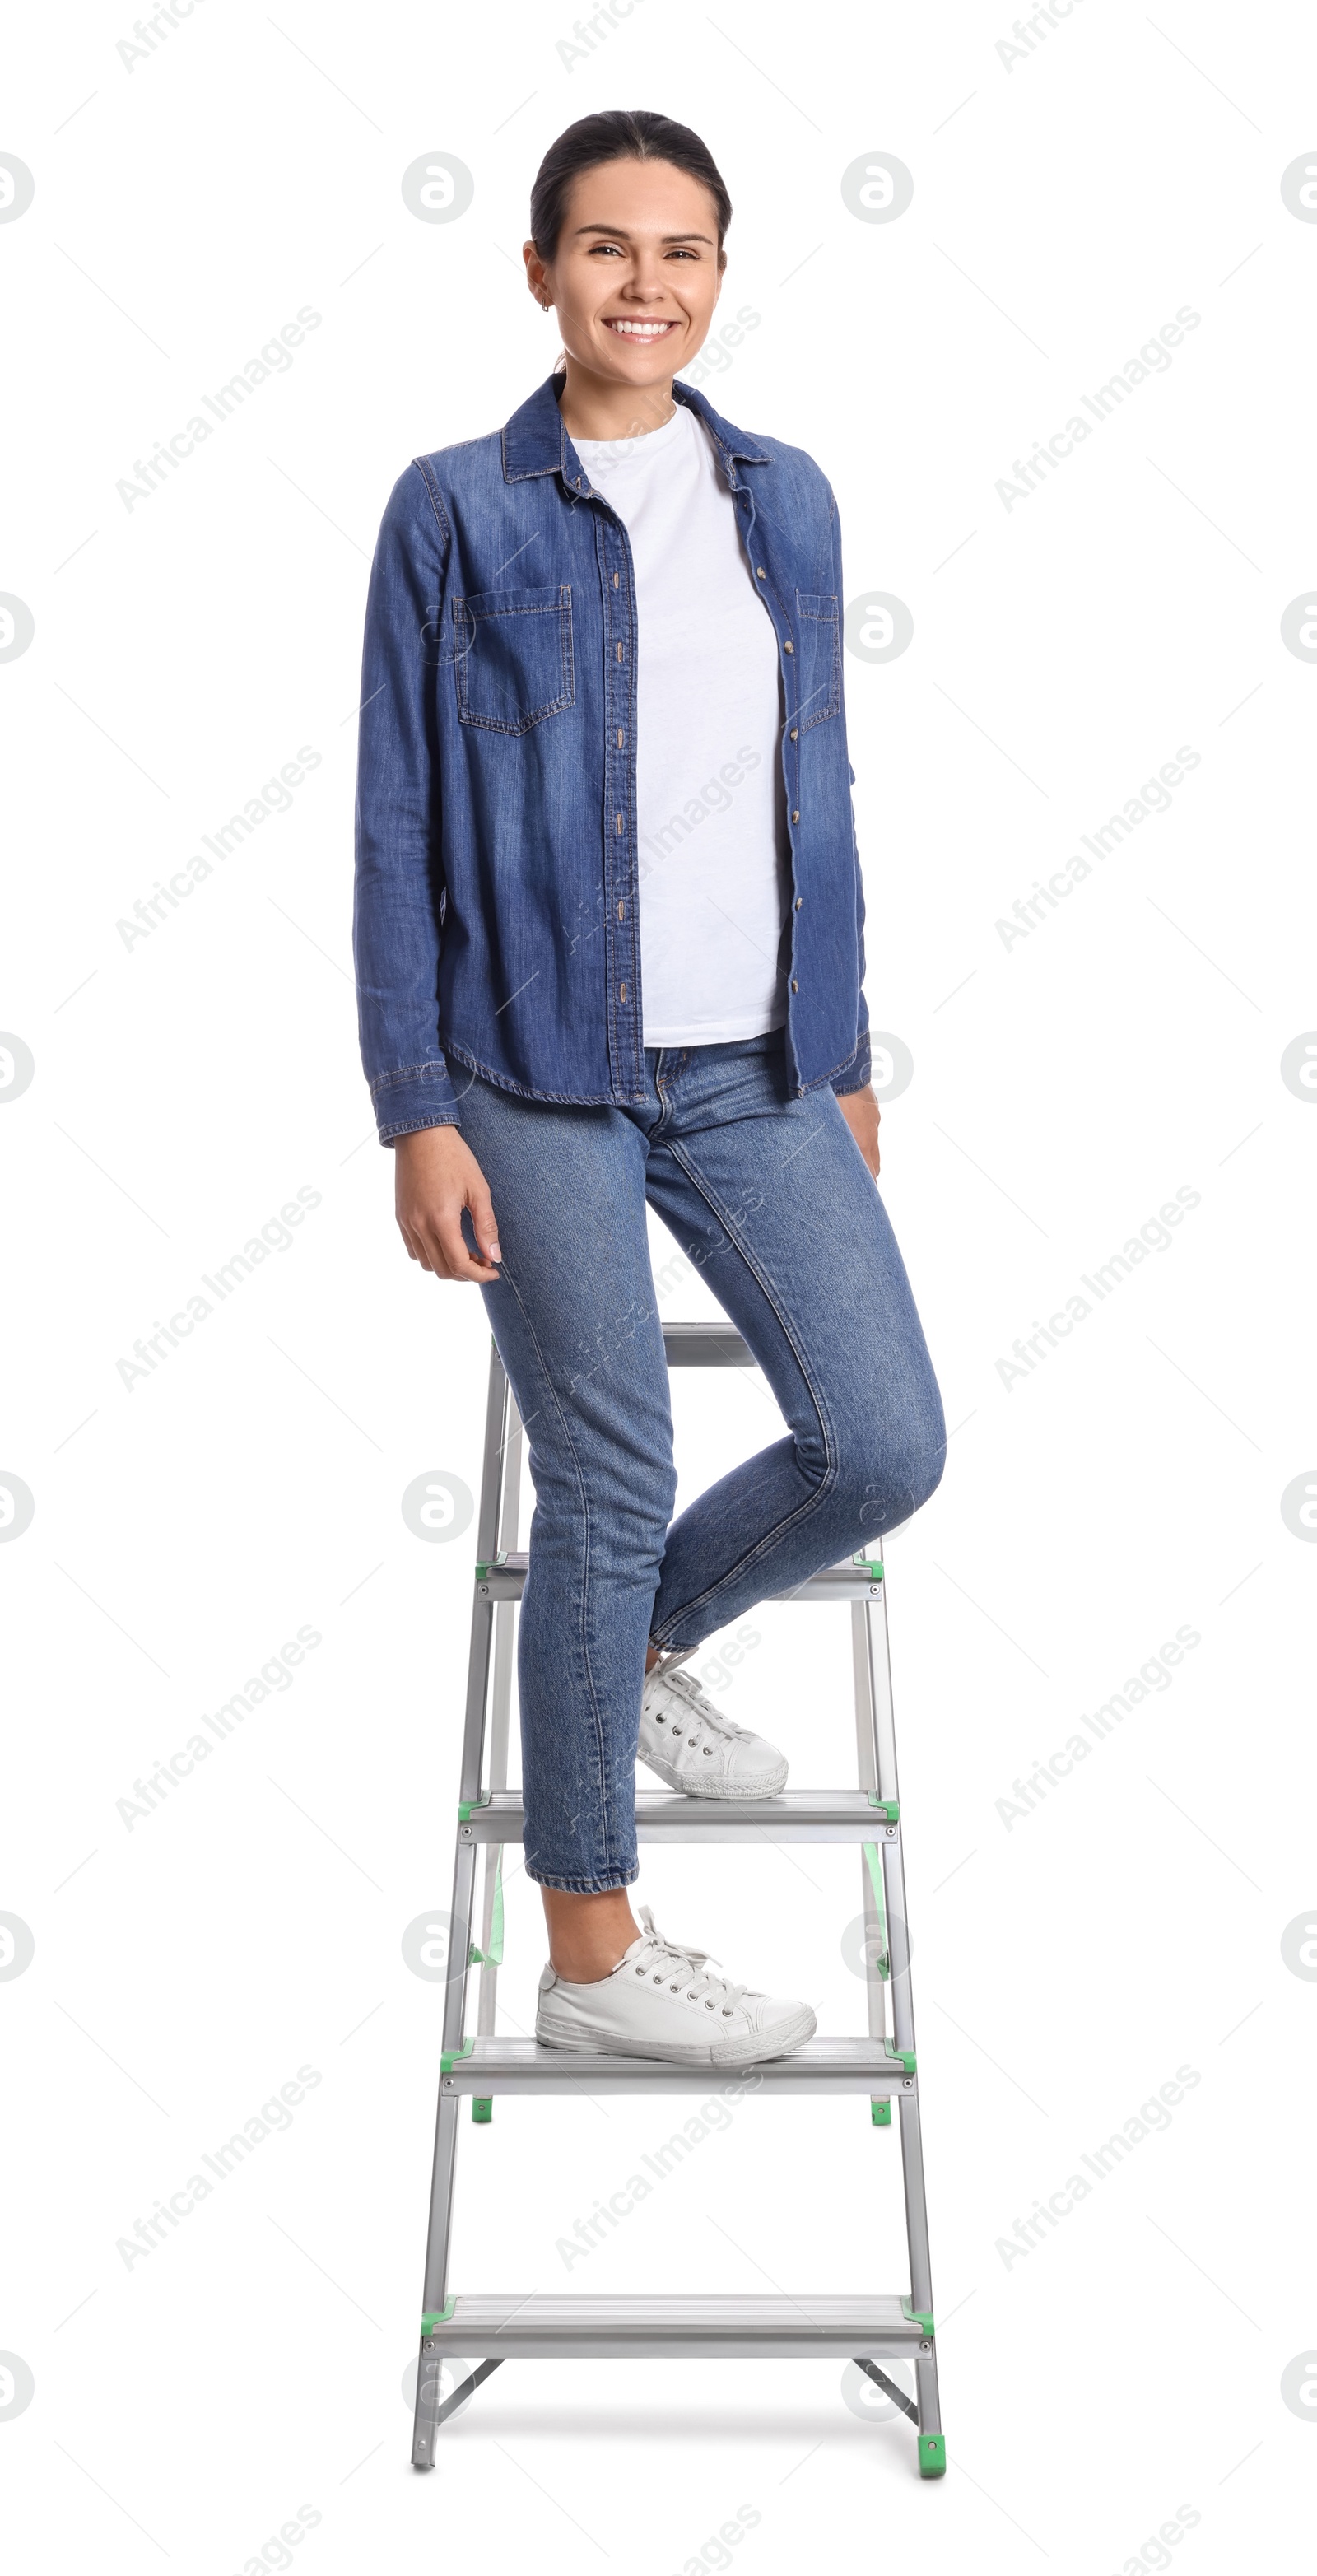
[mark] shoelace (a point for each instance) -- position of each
(703, 1708)
(692, 1974)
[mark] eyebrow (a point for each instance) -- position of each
(621, 233)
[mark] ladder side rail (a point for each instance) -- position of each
(926, 2392)
(880, 1695)
(893, 1867)
(505, 1635)
(434, 2295)
(916, 2207)
(482, 1620)
(898, 1938)
(435, 2290)
(921, 2276)
(866, 1767)
(866, 1736)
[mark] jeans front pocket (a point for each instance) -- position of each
(513, 654)
(818, 657)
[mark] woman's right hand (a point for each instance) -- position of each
(436, 1176)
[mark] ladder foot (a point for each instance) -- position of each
(482, 2109)
(932, 2455)
(881, 2114)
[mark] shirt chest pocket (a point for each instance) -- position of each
(513, 657)
(818, 657)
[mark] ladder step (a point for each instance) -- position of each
(504, 1579)
(501, 2065)
(865, 2324)
(715, 1344)
(666, 1815)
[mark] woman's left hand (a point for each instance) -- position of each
(862, 1113)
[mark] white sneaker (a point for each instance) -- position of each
(661, 2000)
(692, 1746)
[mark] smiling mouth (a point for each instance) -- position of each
(626, 330)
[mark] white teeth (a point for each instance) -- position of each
(641, 330)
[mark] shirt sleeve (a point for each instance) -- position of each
(399, 901)
(858, 1073)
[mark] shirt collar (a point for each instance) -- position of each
(535, 439)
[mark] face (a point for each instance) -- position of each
(637, 271)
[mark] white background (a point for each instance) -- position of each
(1065, 206)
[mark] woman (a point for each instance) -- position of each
(609, 940)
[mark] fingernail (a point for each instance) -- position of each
(494, 1252)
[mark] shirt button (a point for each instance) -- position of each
(621, 992)
(795, 733)
(788, 647)
(795, 814)
(760, 574)
(794, 985)
(799, 900)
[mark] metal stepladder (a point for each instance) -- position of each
(867, 2327)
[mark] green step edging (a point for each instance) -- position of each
(904, 2056)
(466, 1807)
(437, 2317)
(448, 2057)
(923, 2318)
(873, 1565)
(888, 1808)
(932, 2455)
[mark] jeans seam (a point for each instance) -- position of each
(585, 1586)
(829, 1476)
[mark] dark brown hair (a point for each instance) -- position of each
(618, 134)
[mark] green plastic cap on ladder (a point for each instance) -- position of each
(932, 2455)
(881, 2113)
(437, 2316)
(482, 2109)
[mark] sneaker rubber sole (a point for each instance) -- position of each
(766, 1786)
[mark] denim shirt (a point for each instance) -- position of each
(498, 876)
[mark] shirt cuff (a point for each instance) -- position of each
(422, 1096)
(858, 1073)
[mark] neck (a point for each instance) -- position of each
(596, 407)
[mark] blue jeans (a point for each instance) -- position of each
(768, 1195)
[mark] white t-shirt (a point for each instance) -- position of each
(714, 852)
